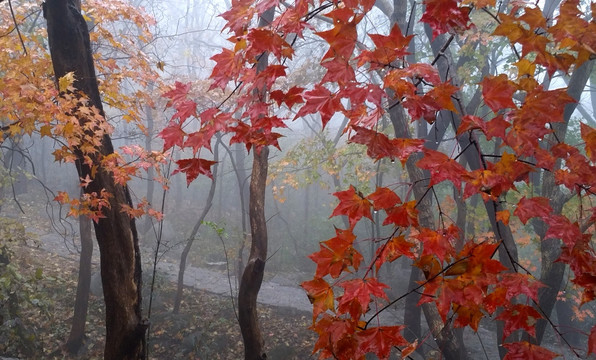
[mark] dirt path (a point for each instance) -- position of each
(275, 292)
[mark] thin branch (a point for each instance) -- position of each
(14, 19)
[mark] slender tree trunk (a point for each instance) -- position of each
(253, 273)
(116, 233)
(150, 171)
(77, 331)
(252, 278)
(193, 233)
(240, 172)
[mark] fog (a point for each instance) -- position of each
(208, 238)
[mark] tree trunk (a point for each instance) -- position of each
(193, 233)
(252, 278)
(77, 331)
(238, 162)
(115, 232)
(253, 273)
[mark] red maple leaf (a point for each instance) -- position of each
(496, 127)
(517, 284)
(494, 300)
(263, 40)
(442, 94)
(403, 215)
(228, 66)
(424, 71)
(438, 243)
(445, 16)
(353, 205)
(336, 337)
(380, 340)
(290, 98)
(388, 49)
(239, 16)
(397, 81)
(380, 146)
(336, 254)
(471, 122)
(172, 135)
(441, 167)
(560, 227)
(519, 316)
(193, 168)
(393, 249)
(266, 78)
(185, 109)
(524, 350)
(339, 71)
(320, 294)
(383, 198)
(533, 207)
(320, 101)
(478, 258)
(257, 136)
(361, 291)
(498, 92)
(199, 139)
(468, 316)
(424, 107)
(178, 93)
(343, 36)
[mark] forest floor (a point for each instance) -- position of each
(205, 328)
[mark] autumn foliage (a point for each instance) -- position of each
(366, 77)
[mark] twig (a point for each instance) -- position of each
(16, 25)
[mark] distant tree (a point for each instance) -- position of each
(79, 319)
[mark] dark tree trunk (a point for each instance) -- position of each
(116, 233)
(253, 273)
(77, 331)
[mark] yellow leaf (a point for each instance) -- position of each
(14, 129)
(66, 81)
(45, 130)
(68, 129)
(525, 68)
(161, 65)
(240, 45)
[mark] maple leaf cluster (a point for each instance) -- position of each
(36, 105)
(462, 278)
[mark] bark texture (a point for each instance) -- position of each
(116, 233)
